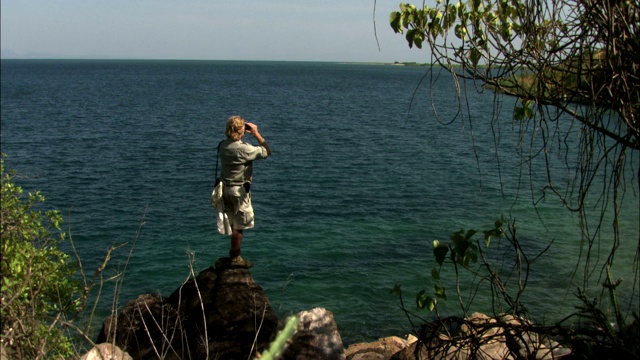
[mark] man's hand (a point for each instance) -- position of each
(252, 129)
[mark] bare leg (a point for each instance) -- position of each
(236, 243)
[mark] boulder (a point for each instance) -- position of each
(382, 349)
(482, 337)
(144, 328)
(220, 314)
(414, 351)
(244, 320)
(106, 352)
(316, 338)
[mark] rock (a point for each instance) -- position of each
(243, 316)
(194, 302)
(187, 299)
(143, 328)
(368, 356)
(382, 349)
(221, 314)
(106, 352)
(409, 353)
(317, 337)
(482, 337)
(3, 352)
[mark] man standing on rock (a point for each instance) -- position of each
(236, 158)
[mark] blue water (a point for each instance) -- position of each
(362, 179)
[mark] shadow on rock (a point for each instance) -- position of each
(221, 314)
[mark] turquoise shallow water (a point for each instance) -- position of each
(362, 180)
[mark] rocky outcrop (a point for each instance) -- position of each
(476, 337)
(221, 314)
(482, 337)
(317, 337)
(106, 352)
(382, 349)
(143, 327)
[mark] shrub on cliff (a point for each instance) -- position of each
(38, 288)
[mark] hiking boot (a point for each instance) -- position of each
(239, 262)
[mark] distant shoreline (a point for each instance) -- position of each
(395, 63)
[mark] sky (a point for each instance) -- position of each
(279, 30)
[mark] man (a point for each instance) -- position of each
(236, 158)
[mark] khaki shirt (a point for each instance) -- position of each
(236, 158)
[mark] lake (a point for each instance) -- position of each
(363, 178)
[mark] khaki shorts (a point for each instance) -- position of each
(237, 203)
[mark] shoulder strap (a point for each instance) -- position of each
(218, 156)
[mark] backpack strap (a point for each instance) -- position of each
(217, 159)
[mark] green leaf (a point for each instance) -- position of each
(518, 113)
(497, 233)
(451, 16)
(431, 304)
(425, 301)
(469, 257)
(475, 56)
(396, 290)
(395, 20)
(506, 30)
(487, 238)
(523, 111)
(410, 37)
(435, 274)
(528, 111)
(439, 292)
(461, 31)
(418, 39)
(421, 299)
(437, 15)
(440, 251)
(469, 234)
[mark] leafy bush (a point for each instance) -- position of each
(37, 289)
(595, 333)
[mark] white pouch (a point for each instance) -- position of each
(224, 226)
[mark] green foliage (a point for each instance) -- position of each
(618, 340)
(564, 60)
(550, 52)
(524, 111)
(471, 21)
(37, 278)
(278, 345)
(607, 336)
(462, 249)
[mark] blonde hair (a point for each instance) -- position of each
(235, 127)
